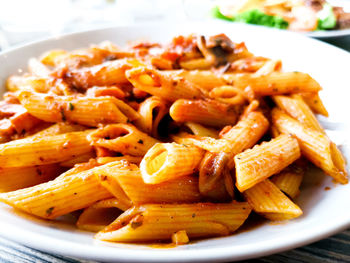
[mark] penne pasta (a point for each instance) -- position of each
(122, 138)
(269, 67)
(314, 145)
(159, 142)
(38, 84)
(161, 85)
(58, 197)
(166, 161)
(37, 68)
(151, 111)
(215, 180)
(200, 130)
(58, 128)
(266, 199)
(208, 112)
(44, 150)
(196, 64)
(99, 215)
(244, 134)
(257, 164)
(289, 180)
(158, 222)
(78, 159)
(207, 143)
(77, 109)
(228, 94)
(277, 83)
(15, 178)
(129, 158)
(128, 176)
(298, 109)
(103, 175)
(315, 103)
(81, 167)
(105, 74)
(205, 79)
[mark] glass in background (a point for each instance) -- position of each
(23, 20)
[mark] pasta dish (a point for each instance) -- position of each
(161, 142)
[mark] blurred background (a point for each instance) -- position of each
(23, 21)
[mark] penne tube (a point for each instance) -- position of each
(16, 83)
(159, 84)
(161, 63)
(257, 164)
(196, 64)
(228, 94)
(244, 134)
(274, 132)
(315, 103)
(128, 176)
(207, 143)
(105, 74)
(289, 180)
(278, 83)
(81, 110)
(99, 215)
(113, 91)
(296, 107)
(58, 128)
(200, 130)
(37, 68)
(58, 197)
(215, 180)
(95, 54)
(83, 158)
(103, 174)
(122, 138)
(249, 64)
(266, 199)
(44, 150)
(253, 106)
(51, 57)
(205, 79)
(158, 222)
(38, 84)
(314, 145)
(206, 112)
(81, 167)
(152, 111)
(269, 67)
(129, 158)
(166, 161)
(15, 178)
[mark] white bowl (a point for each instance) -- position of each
(325, 212)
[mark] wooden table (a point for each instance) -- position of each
(333, 249)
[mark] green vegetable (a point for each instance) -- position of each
(215, 12)
(255, 17)
(326, 18)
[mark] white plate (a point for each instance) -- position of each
(199, 10)
(338, 33)
(325, 212)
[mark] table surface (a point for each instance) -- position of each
(332, 249)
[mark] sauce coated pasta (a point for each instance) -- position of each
(160, 142)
